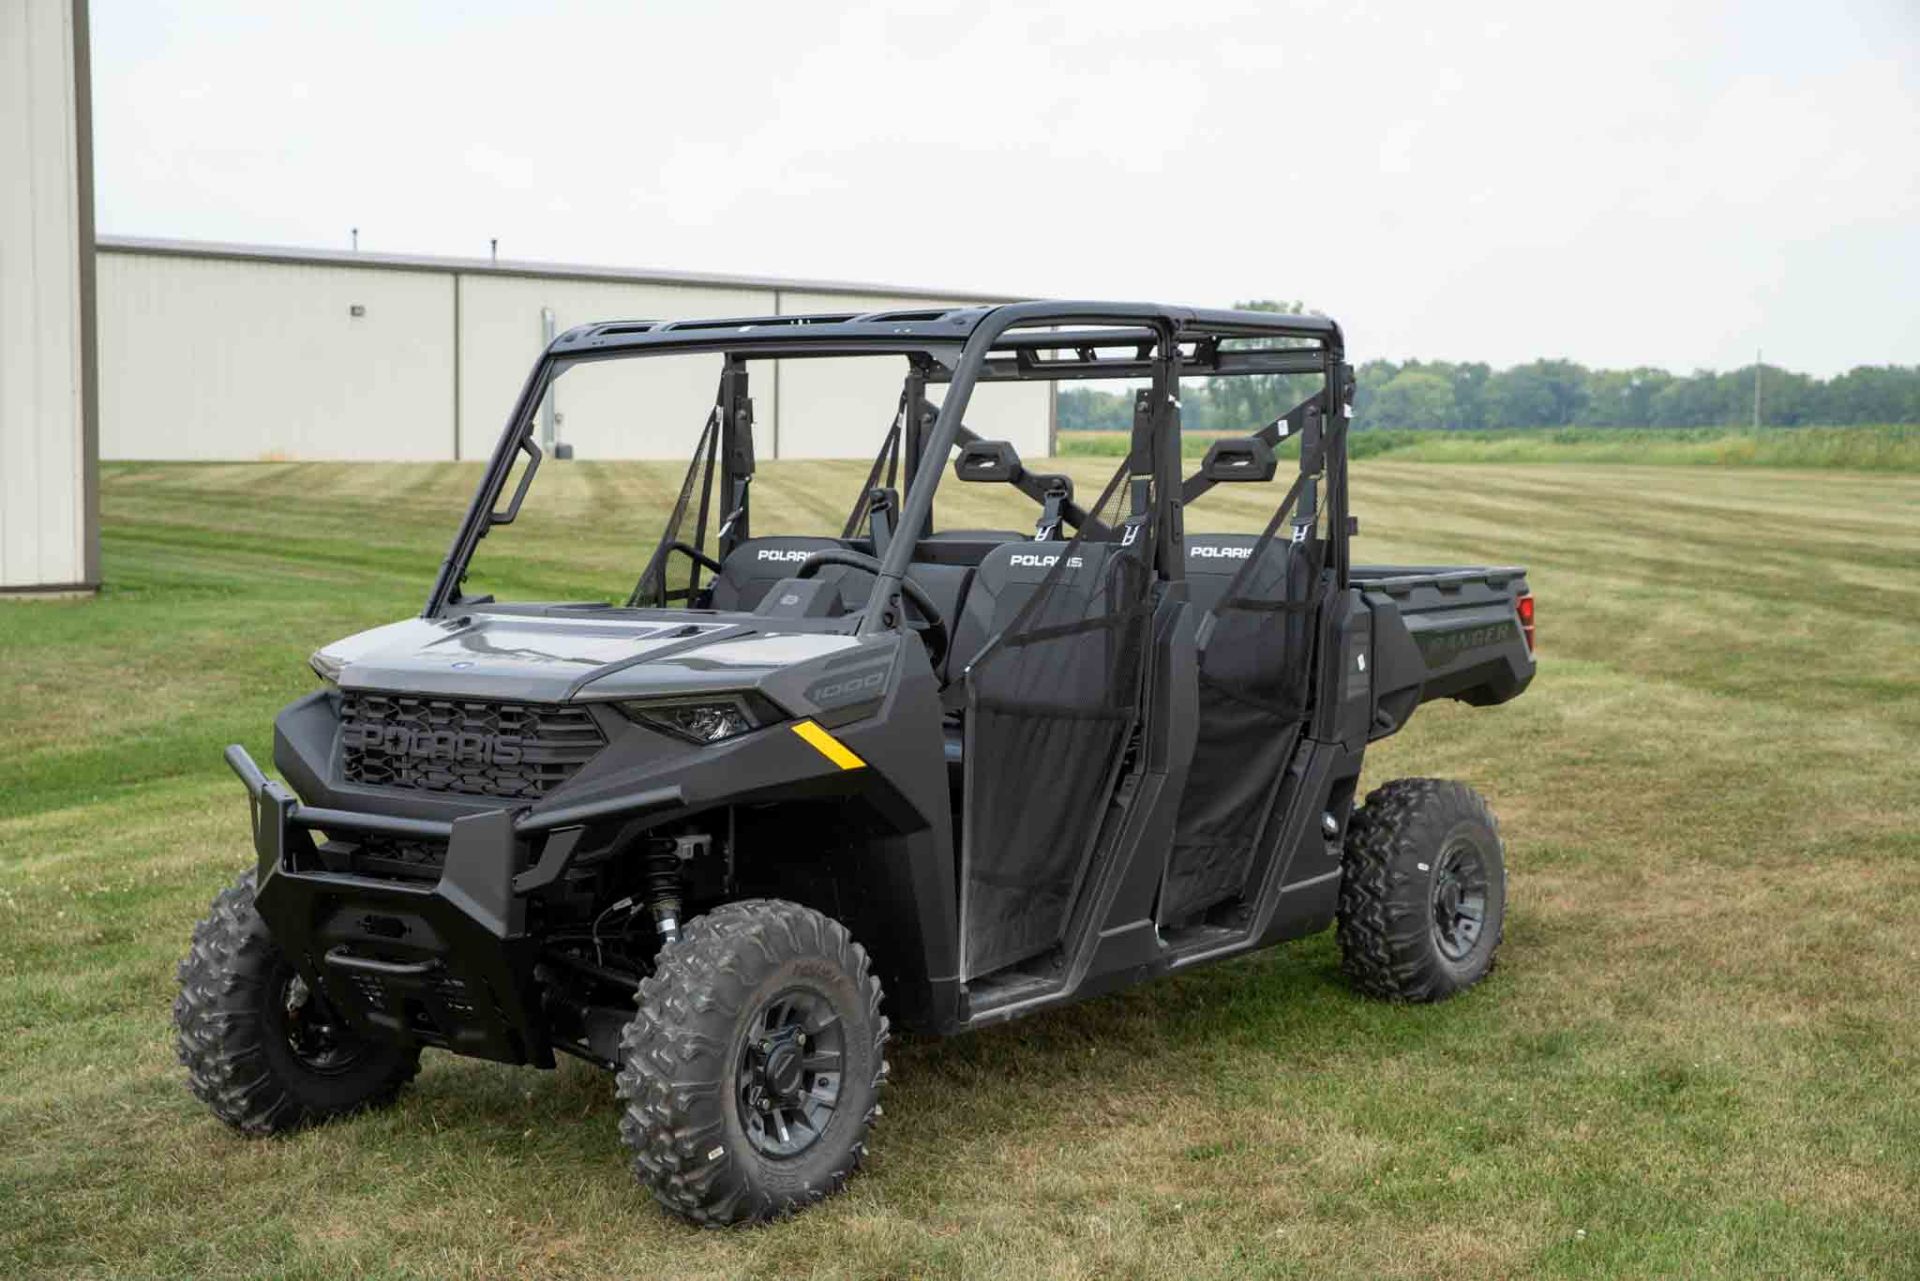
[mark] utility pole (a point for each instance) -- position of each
(493, 249)
(356, 240)
(1756, 389)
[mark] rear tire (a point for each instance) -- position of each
(752, 1072)
(1423, 891)
(263, 1052)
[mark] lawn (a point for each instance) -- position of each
(1700, 1055)
(1887, 447)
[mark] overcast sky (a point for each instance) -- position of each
(1670, 184)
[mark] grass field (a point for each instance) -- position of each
(1698, 1057)
(1893, 447)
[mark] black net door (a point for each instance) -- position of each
(1254, 673)
(1050, 706)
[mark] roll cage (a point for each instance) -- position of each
(959, 349)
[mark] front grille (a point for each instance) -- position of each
(512, 750)
(450, 994)
(371, 991)
(397, 858)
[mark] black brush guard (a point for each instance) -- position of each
(446, 962)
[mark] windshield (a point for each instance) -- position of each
(655, 469)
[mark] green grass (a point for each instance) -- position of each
(1882, 448)
(1697, 1058)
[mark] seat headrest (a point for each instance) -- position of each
(758, 563)
(1213, 560)
(1029, 563)
(1221, 554)
(775, 557)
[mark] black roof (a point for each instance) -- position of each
(827, 333)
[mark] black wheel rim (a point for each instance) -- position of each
(790, 1069)
(1459, 900)
(314, 1033)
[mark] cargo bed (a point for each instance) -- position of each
(1446, 631)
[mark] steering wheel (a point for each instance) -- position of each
(933, 628)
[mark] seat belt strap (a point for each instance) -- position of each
(1052, 505)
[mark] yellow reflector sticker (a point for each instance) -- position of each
(828, 746)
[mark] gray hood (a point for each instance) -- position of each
(538, 658)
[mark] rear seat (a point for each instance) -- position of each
(1212, 561)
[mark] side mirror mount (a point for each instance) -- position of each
(1238, 458)
(989, 460)
(527, 469)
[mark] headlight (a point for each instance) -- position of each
(326, 666)
(698, 720)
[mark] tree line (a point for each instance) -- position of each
(1439, 395)
(1561, 393)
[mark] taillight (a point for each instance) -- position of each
(1524, 606)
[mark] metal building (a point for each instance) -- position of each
(243, 352)
(48, 517)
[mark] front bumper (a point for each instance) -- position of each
(444, 963)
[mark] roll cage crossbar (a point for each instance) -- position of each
(958, 349)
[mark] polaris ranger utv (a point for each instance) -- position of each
(694, 835)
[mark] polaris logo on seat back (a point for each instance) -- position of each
(1220, 553)
(1032, 561)
(435, 744)
(773, 553)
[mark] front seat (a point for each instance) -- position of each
(752, 568)
(1007, 579)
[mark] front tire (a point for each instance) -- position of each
(752, 1072)
(264, 1053)
(1423, 891)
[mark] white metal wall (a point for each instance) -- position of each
(623, 409)
(228, 354)
(46, 227)
(208, 358)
